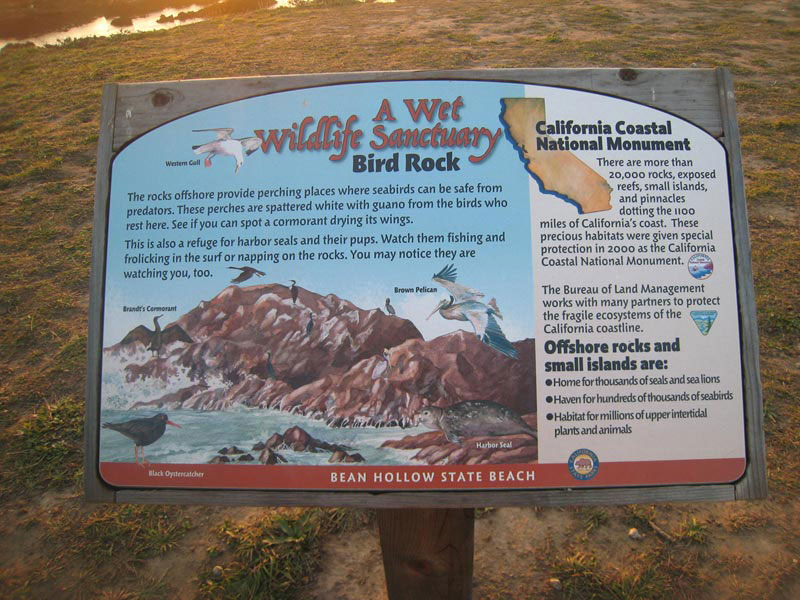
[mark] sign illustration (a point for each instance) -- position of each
(420, 285)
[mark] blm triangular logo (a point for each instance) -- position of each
(704, 319)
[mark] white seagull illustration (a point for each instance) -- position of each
(225, 145)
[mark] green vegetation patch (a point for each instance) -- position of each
(45, 450)
(594, 519)
(655, 574)
(140, 531)
(89, 552)
(274, 556)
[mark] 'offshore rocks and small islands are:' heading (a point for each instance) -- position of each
(329, 133)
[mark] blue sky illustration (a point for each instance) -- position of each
(502, 270)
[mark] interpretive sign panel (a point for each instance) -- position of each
(419, 283)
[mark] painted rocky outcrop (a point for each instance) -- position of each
(356, 368)
(234, 331)
(449, 369)
(299, 440)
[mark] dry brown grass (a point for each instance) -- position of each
(49, 107)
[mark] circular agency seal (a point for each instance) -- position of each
(700, 266)
(583, 464)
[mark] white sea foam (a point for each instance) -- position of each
(118, 393)
(203, 434)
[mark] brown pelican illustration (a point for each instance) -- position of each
(246, 273)
(462, 305)
(389, 308)
(157, 338)
(447, 278)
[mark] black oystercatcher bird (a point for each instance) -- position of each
(246, 273)
(156, 339)
(142, 431)
(294, 291)
(389, 307)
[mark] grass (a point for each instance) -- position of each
(142, 531)
(91, 552)
(694, 532)
(273, 556)
(49, 123)
(595, 519)
(45, 452)
(582, 577)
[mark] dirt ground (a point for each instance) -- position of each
(514, 548)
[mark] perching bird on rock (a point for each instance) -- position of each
(310, 325)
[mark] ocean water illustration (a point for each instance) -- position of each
(203, 433)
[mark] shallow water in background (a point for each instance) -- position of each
(102, 27)
(202, 434)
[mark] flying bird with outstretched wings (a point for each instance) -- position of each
(246, 273)
(155, 339)
(225, 145)
(460, 293)
(462, 305)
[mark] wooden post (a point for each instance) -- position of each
(427, 553)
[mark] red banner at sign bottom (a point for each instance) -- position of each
(444, 477)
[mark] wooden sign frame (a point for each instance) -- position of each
(703, 97)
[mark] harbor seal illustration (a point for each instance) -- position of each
(474, 419)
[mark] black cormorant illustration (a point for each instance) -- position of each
(294, 291)
(157, 339)
(246, 273)
(310, 325)
(270, 368)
